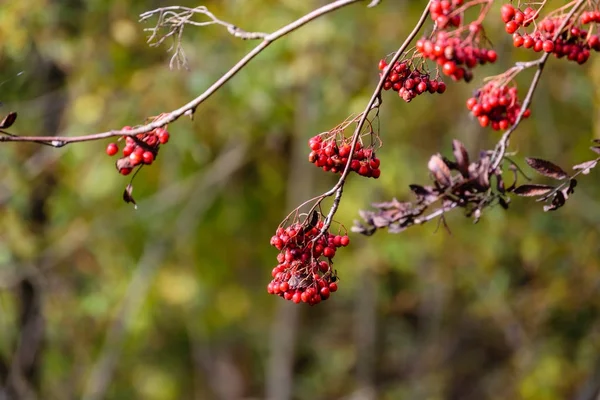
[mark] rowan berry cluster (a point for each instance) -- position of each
(514, 18)
(496, 106)
(587, 17)
(574, 42)
(304, 273)
(140, 149)
(441, 12)
(408, 81)
(332, 154)
(456, 56)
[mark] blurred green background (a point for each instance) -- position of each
(100, 300)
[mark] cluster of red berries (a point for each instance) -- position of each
(496, 106)
(304, 272)
(574, 43)
(441, 10)
(456, 56)
(587, 17)
(515, 18)
(409, 82)
(328, 154)
(139, 149)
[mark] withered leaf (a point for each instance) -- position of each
(557, 202)
(124, 162)
(503, 202)
(440, 170)
(462, 157)
(533, 190)
(586, 166)
(595, 149)
(547, 168)
(596, 140)
(8, 120)
(127, 197)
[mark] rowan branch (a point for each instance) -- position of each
(502, 145)
(189, 108)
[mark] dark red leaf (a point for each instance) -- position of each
(547, 168)
(8, 120)
(533, 190)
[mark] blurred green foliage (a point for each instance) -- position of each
(508, 308)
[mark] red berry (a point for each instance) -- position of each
(135, 158)
(508, 12)
(329, 252)
(382, 64)
(492, 56)
(345, 241)
(163, 135)
(325, 293)
(125, 171)
(511, 27)
(112, 149)
(548, 46)
(147, 157)
(441, 87)
(449, 68)
(333, 287)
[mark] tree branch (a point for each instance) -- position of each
(189, 108)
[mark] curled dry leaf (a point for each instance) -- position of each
(595, 149)
(127, 195)
(532, 190)
(440, 170)
(586, 166)
(547, 168)
(8, 120)
(462, 157)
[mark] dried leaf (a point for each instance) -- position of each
(586, 166)
(503, 202)
(127, 197)
(557, 202)
(595, 149)
(440, 170)
(462, 157)
(8, 120)
(124, 162)
(483, 178)
(547, 168)
(533, 190)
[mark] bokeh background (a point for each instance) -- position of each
(168, 301)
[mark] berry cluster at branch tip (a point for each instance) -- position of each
(442, 12)
(332, 156)
(304, 273)
(457, 56)
(574, 42)
(140, 149)
(496, 106)
(409, 82)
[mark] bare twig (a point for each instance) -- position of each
(189, 108)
